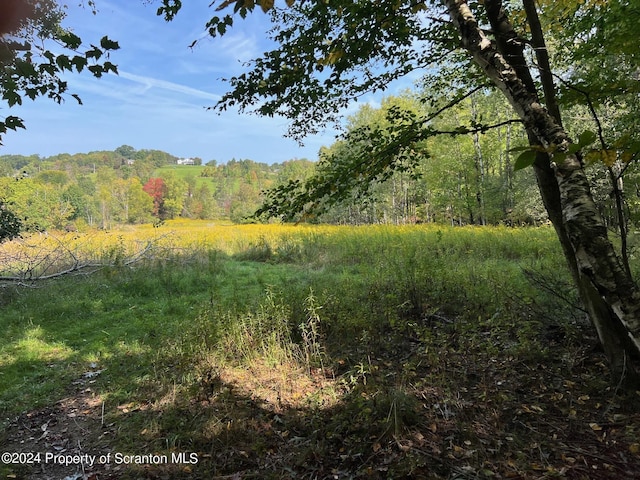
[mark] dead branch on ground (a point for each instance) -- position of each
(45, 256)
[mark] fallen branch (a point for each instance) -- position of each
(25, 267)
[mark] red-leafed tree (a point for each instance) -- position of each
(158, 191)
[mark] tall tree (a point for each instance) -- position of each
(174, 195)
(37, 205)
(157, 190)
(328, 53)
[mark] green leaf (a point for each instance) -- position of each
(48, 68)
(70, 40)
(79, 62)
(560, 157)
(519, 149)
(586, 138)
(12, 98)
(169, 9)
(13, 122)
(108, 44)
(95, 52)
(64, 62)
(574, 148)
(96, 70)
(110, 67)
(524, 160)
(25, 68)
(634, 147)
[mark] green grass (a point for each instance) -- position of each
(365, 278)
(186, 171)
(314, 344)
(62, 326)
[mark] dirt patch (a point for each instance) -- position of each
(64, 441)
(404, 413)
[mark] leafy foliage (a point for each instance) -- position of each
(30, 67)
(330, 53)
(104, 188)
(157, 189)
(597, 47)
(10, 224)
(397, 139)
(371, 152)
(319, 67)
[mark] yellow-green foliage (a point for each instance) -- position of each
(44, 253)
(158, 281)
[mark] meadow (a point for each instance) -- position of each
(185, 172)
(199, 350)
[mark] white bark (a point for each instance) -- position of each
(594, 257)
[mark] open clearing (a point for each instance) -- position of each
(308, 352)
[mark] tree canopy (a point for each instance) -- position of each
(330, 53)
(35, 52)
(10, 224)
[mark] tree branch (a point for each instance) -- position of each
(45, 265)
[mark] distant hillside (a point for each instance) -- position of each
(133, 186)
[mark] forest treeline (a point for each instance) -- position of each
(460, 179)
(128, 186)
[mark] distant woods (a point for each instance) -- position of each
(127, 186)
(457, 179)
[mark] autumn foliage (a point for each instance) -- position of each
(158, 190)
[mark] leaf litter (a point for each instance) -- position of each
(398, 406)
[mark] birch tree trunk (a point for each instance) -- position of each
(607, 290)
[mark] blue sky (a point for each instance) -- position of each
(159, 99)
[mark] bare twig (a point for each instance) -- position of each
(26, 267)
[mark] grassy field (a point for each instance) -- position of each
(270, 351)
(185, 171)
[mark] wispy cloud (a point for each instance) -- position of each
(239, 47)
(149, 83)
(158, 98)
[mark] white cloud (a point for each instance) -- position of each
(158, 101)
(149, 83)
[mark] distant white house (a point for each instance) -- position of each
(186, 161)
